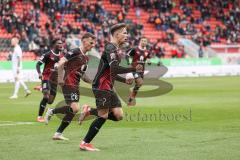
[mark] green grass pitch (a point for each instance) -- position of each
(200, 120)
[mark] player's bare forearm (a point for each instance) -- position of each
(60, 68)
(61, 62)
(61, 72)
(86, 79)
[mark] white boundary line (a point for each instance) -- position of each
(12, 123)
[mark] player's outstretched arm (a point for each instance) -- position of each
(115, 68)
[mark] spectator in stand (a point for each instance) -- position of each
(151, 18)
(158, 23)
(158, 51)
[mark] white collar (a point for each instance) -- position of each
(54, 53)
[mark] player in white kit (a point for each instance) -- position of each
(16, 68)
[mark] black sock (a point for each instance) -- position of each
(42, 106)
(93, 111)
(66, 120)
(94, 128)
(112, 117)
(62, 110)
(135, 90)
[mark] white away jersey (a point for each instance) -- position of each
(17, 53)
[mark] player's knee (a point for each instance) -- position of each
(140, 83)
(51, 99)
(75, 107)
(119, 117)
(105, 116)
(75, 110)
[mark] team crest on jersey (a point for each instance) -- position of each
(113, 56)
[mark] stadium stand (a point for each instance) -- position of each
(36, 22)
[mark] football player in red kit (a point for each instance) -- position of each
(107, 102)
(139, 55)
(49, 76)
(74, 63)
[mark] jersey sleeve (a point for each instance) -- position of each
(111, 55)
(69, 55)
(43, 58)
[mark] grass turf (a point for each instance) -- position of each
(198, 120)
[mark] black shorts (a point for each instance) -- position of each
(106, 99)
(71, 94)
(138, 75)
(49, 86)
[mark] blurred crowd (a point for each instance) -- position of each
(226, 11)
(95, 19)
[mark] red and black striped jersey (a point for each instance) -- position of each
(49, 59)
(75, 67)
(109, 68)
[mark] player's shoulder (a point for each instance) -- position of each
(74, 51)
(109, 47)
(47, 53)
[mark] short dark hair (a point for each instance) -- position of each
(88, 35)
(116, 27)
(54, 41)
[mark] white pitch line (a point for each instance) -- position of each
(16, 123)
(6, 121)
